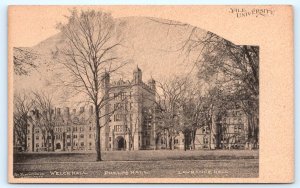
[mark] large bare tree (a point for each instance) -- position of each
(44, 117)
(24, 60)
(232, 68)
(90, 56)
(23, 104)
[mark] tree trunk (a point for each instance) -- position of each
(25, 138)
(52, 139)
(98, 129)
(32, 138)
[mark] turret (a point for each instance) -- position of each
(152, 85)
(66, 114)
(105, 79)
(137, 75)
(81, 109)
(91, 111)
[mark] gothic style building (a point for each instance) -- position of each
(128, 122)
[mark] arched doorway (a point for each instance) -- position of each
(58, 146)
(120, 143)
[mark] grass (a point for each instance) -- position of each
(144, 155)
(139, 164)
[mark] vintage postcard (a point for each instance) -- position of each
(150, 94)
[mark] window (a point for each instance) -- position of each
(68, 143)
(68, 136)
(75, 129)
(82, 136)
(118, 117)
(176, 141)
(37, 145)
(205, 140)
(240, 127)
(109, 138)
(81, 129)
(90, 143)
(28, 131)
(130, 105)
(82, 143)
(118, 128)
(37, 137)
(90, 135)
(90, 128)
(28, 138)
(74, 136)
(37, 130)
(68, 129)
(123, 95)
(235, 128)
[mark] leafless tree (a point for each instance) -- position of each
(233, 68)
(90, 57)
(170, 106)
(44, 117)
(23, 104)
(24, 60)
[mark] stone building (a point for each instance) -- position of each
(230, 132)
(72, 131)
(128, 124)
(129, 121)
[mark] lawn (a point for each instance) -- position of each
(139, 164)
(143, 155)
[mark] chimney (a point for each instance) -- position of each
(91, 110)
(81, 109)
(32, 113)
(58, 111)
(67, 111)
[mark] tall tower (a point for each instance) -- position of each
(137, 107)
(105, 79)
(151, 83)
(137, 75)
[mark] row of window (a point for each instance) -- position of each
(122, 117)
(121, 95)
(123, 106)
(61, 137)
(68, 144)
(119, 128)
(60, 129)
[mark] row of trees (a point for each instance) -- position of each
(92, 40)
(36, 109)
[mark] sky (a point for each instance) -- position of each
(151, 45)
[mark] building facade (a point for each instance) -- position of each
(129, 120)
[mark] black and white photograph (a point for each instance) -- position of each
(101, 96)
